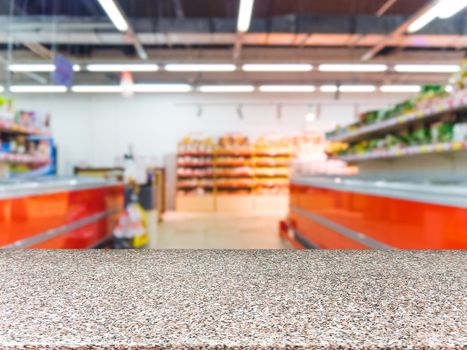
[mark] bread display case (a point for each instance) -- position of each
(56, 212)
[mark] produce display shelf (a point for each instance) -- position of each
(272, 154)
(407, 151)
(22, 158)
(452, 104)
(12, 127)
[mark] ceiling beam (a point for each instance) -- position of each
(385, 7)
(396, 34)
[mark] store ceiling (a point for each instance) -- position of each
(312, 31)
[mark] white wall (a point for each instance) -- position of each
(95, 129)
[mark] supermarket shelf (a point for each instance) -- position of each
(407, 151)
(194, 176)
(272, 184)
(236, 175)
(12, 127)
(195, 165)
(22, 158)
(453, 104)
(221, 153)
(271, 164)
(232, 164)
(195, 154)
(272, 154)
(234, 186)
(182, 186)
(268, 175)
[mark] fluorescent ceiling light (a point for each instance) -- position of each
(328, 88)
(348, 88)
(423, 20)
(76, 68)
(97, 88)
(200, 67)
(122, 67)
(400, 88)
(245, 12)
(357, 88)
(426, 68)
(38, 88)
(287, 88)
(115, 15)
(161, 88)
(35, 67)
(2, 89)
(451, 7)
(277, 67)
(353, 67)
(441, 9)
(226, 88)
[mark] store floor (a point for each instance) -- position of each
(218, 231)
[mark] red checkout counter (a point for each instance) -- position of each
(352, 213)
(58, 212)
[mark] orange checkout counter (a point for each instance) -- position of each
(58, 212)
(352, 213)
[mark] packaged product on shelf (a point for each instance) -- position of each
(460, 132)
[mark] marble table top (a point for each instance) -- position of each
(224, 299)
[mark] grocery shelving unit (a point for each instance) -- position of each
(454, 107)
(448, 105)
(247, 179)
(8, 159)
(195, 181)
(407, 151)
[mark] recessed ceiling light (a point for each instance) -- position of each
(226, 88)
(277, 67)
(38, 88)
(97, 88)
(348, 88)
(33, 67)
(353, 67)
(328, 88)
(426, 68)
(161, 88)
(287, 88)
(400, 88)
(131, 67)
(357, 88)
(200, 67)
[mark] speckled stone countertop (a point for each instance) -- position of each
(233, 299)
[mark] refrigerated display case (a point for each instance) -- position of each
(58, 212)
(359, 213)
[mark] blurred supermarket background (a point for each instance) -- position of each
(233, 124)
